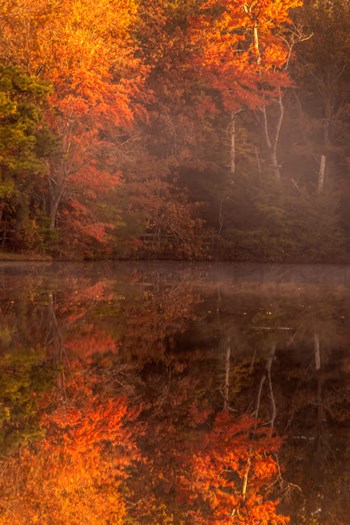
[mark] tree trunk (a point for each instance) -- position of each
(321, 175)
(227, 372)
(269, 378)
(272, 137)
(232, 134)
(53, 213)
(55, 199)
(317, 351)
(233, 148)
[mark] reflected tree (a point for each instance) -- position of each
(76, 474)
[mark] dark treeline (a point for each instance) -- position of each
(175, 129)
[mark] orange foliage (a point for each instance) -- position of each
(243, 68)
(76, 474)
(229, 478)
(84, 48)
(87, 51)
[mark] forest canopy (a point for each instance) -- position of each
(183, 129)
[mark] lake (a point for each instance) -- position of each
(162, 393)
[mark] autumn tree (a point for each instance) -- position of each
(231, 474)
(75, 474)
(243, 57)
(86, 50)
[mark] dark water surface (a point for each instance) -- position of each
(174, 394)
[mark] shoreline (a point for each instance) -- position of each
(35, 257)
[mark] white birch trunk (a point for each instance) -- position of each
(322, 173)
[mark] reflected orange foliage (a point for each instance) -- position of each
(76, 474)
(230, 477)
(151, 324)
(86, 345)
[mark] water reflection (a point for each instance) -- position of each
(155, 395)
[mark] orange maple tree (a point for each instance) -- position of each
(231, 476)
(76, 474)
(242, 54)
(87, 51)
(241, 50)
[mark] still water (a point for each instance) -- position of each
(174, 394)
